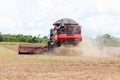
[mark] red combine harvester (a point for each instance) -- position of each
(65, 32)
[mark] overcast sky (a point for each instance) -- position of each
(35, 17)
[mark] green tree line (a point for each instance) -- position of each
(108, 40)
(104, 40)
(22, 38)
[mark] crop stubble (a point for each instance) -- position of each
(49, 67)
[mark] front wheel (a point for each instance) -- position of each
(50, 46)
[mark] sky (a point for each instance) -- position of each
(35, 17)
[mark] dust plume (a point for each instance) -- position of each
(67, 51)
(90, 47)
(87, 47)
(93, 48)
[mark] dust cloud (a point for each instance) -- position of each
(88, 47)
(67, 51)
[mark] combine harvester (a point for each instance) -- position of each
(65, 32)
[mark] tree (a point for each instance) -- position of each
(107, 36)
(34, 40)
(1, 39)
(45, 37)
(108, 40)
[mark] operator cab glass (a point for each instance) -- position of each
(69, 29)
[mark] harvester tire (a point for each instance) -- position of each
(20, 53)
(50, 46)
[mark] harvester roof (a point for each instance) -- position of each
(64, 21)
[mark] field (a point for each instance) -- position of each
(50, 67)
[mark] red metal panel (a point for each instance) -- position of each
(63, 37)
(32, 49)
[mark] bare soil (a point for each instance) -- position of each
(49, 67)
(13, 47)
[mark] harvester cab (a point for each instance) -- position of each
(66, 32)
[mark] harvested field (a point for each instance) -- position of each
(13, 47)
(49, 67)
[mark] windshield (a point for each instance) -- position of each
(70, 29)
